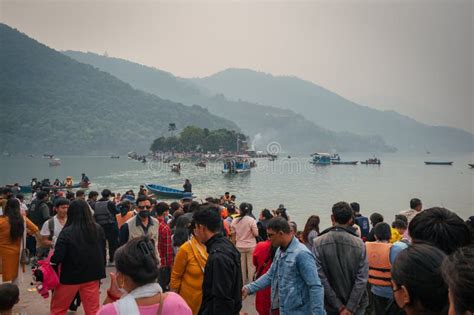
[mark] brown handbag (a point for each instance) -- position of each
(25, 253)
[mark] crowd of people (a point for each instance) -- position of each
(190, 257)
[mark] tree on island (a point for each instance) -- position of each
(172, 128)
(193, 138)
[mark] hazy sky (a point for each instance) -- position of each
(415, 57)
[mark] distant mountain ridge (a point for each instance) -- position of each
(53, 103)
(334, 112)
(264, 123)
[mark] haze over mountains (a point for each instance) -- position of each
(334, 112)
(265, 124)
(51, 103)
(56, 104)
(239, 93)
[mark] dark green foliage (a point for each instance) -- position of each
(193, 138)
(52, 103)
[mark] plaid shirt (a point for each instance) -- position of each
(165, 247)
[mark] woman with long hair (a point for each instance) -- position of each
(181, 233)
(459, 276)
(134, 288)
(244, 231)
(311, 230)
(12, 233)
(79, 254)
(188, 272)
(263, 219)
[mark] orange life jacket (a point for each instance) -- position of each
(224, 213)
(121, 220)
(378, 255)
(226, 227)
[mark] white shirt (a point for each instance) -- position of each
(23, 208)
(57, 229)
(410, 214)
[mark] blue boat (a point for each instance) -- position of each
(321, 159)
(236, 166)
(28, 189)
(167, 192)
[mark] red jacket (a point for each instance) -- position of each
(261, 257)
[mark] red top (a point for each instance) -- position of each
(263, 297)
(165, 247)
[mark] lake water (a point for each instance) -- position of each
(303, 188)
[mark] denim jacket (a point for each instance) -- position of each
(299, 288)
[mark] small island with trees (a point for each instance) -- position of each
(195, 139)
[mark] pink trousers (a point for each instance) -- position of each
(64, 294)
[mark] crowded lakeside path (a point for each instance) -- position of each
(304, 189)
(133, 254)
(124, 251)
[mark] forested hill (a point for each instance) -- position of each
(264, 124)
(52, 103)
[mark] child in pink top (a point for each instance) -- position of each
(173, 305)
(134, 284)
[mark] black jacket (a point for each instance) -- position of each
(80, 261)
(262, 229)
(110, 205)
(188, 187)
(371, 236)
(38, 212)
(222, 284)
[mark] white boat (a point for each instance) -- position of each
(55, 162)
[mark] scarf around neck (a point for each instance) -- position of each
(199, 252)
(128, 304)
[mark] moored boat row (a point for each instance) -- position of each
(334, 159)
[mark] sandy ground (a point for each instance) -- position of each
(33, 303)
